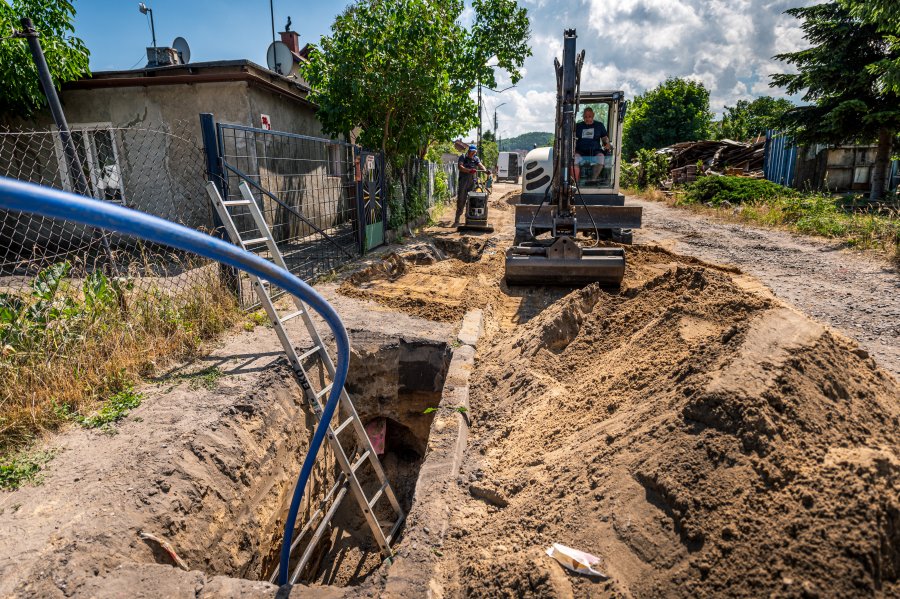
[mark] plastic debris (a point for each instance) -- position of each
(575, 560)
(167, 547)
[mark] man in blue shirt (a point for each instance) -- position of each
(591, 141)
(468, 165)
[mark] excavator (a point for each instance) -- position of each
(562, 221)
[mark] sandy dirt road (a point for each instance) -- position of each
(854, 292)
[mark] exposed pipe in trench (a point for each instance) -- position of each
(53, 203)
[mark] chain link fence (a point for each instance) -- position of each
(84, 312)
(154, 170)
(416, 187)
(307, 190)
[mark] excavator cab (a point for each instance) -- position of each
(570, 204)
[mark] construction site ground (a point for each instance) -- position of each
(726, 423)
(694, 429)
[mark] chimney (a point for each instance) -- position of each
(291, 39)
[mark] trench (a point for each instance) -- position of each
(392, 383)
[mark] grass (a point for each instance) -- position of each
(113, 409)
(21, 469)
(207, 378)
(72, 349)
(853, 221)
(256, 319)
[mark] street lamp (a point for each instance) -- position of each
(480, 106)
(144, 10)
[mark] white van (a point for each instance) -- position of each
(508, 167)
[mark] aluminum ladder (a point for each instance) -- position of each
(364, 452)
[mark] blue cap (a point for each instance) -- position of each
(473, 148)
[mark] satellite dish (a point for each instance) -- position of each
(279, 58)
(184, 51)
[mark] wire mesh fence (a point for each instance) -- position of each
(416, 187)
(159, 171)
(307, 190)
(83, 312)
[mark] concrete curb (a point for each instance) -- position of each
(414, 572)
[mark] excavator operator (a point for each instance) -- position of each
(591, 141)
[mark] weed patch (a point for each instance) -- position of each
(22, 468)
(855, 222)
(72, 346)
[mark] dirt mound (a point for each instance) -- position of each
(701, 439)
(441, 278)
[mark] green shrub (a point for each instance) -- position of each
(650, 169)
(734, 190)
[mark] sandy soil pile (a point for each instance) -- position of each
(701, 439)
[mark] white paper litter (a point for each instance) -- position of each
(575, 560)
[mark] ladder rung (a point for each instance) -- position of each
(390, 538)
(360, 461)
(342, 426)
(255, 241)
(291, 316)
(235, 203)
(308, 353)
(324, 390)
(378, 494)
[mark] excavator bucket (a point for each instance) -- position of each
(564, 263)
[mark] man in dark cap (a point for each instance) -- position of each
(468, 163)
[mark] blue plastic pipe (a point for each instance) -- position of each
(35, 199)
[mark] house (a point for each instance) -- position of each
(120, 120)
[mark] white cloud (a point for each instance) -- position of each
(634, 45)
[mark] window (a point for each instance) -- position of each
(99, 157)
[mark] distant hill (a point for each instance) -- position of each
(526, 141)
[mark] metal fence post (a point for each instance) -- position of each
(360, 201)
(214, 173)
(213, 163)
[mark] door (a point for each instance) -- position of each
(370, 185)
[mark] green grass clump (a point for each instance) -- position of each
(22, 468)
(734, 190)
(855, 222)
(113, 409)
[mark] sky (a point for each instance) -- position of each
(632, 45)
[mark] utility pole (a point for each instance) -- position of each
(59, 117)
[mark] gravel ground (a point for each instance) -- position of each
(857, 293)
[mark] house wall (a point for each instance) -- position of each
(158, 137)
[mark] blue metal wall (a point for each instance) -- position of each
(780, 159)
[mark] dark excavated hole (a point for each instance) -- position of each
(467, 249)
(392, 381)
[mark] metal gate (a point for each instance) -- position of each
(321, 198)
(372, 205)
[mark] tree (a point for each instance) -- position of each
(747, 120)
(489, 153)
(400, 71)
(488, 136)
(677, 110)
(884, 14)
(838, 77)
(67, 56)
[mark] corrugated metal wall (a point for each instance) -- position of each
(780, 159)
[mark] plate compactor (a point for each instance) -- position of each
(476, 214)
(561, 221)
